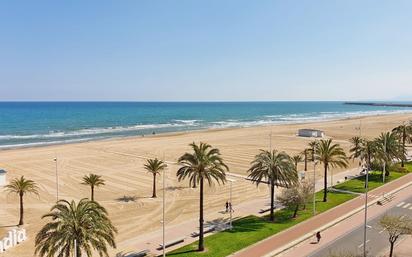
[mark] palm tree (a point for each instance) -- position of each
(356, 147)
(388, 148)
(22, 186)
(331, 155)
(93, 181)
(75, 228)
(364, 150)
(404, 133)
(154, 166)
(296, 159)
(277, 168)
(312, 148)
(205, 163)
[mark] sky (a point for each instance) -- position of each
(214, 50)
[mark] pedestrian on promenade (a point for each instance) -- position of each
(230, 207)
(318, 236)
(227, 206)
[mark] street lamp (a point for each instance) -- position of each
(384, 159)
(366, 211)
(57, 180)
(230, 201)
(75, 248)
(314, 188)
(163, 209)
(314, 177)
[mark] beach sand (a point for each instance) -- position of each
(128, 188)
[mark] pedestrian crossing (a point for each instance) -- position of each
(404, 205)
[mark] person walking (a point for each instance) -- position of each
(318, 236)
(230, 207)
(227, 206)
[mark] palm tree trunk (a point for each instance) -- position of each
(387, 171)
(306, 160)
(78, 250)
(325, 183)
(21, 209)
(272, 202)
(154, 186)
(201, 243)
(391, 250)
(92, 193)
(295, 211)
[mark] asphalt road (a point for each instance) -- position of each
(377, 238)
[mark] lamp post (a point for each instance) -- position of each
(230, 201)
(384, 159)
(75, 248)
(314, 177)
(314, 188)
(163, 210)
(57, 180)
(366, 211)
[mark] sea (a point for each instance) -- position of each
(24, 124)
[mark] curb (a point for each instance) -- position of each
(330, 224)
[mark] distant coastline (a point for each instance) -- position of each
(29, 124)
(380, 104)
(174, 133)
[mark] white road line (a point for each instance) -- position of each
(400, 204)
(380, 232)
(410, 208)
(359, 246)
(406, 205)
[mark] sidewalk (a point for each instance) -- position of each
(270, 246)
(331, 234)
(152, 240)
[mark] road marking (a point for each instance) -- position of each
(406, 205)
(410, 208)
(380, 232)
(400, 204)
(362, 243)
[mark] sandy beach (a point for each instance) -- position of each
(128, 188)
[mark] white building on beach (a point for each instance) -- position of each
(3, 180)
(310, 133)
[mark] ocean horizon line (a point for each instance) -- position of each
(42, 123)
(198, 101)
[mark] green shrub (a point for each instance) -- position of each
(398, 168)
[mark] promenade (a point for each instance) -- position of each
(151, 241)
(273, 245)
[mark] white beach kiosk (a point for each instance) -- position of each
(3, 180)
(310, 133)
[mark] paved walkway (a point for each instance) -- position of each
(332, 235)
(269, 246)
(152, 240)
